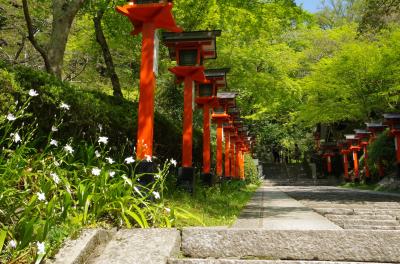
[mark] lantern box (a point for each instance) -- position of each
(217, 77)
(353, 142)
(219, 110)
(192, 47)
(206, 90)
(362, 135)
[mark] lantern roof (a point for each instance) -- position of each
(375, 125)
(217, 76)
(145, 11)
(350, 137)
(206, 40)
(362, 132)
(392, 116)
(227, 95)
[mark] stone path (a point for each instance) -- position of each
(351, 209)
(272, 209)
(280, 225)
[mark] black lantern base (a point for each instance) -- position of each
(206, 179)
(356, 180)
(186, 178)
(227, 178)
(147, 171)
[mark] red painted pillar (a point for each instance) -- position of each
(187, 123)
(237, 163)
(356, 169)
(227, 153)
(206, 139)
(242, 176)
(219, 148)
(397, 145)
(367, 174)
(346, 166)
(233, 157)
(329, 163)
(144, 144)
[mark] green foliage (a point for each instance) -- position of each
(251, 170)
(381, 151)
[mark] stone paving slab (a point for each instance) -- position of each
(328, 245)
(272, 209)
(238, 261)
(140, 246)
(79, 250)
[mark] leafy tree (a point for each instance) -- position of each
(63, 14)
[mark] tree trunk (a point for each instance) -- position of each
(100, 38)
(63, 12)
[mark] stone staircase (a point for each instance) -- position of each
(351, 209)
(293, 175)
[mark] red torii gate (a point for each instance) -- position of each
(393, 121)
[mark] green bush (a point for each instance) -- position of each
(382, 150)
(90, 112)
(250, 170)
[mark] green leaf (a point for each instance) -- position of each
(3, 234)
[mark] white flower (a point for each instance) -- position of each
(148, 158)
(41, 248)
(12, 243)
(16, 137)
(11, 117)
(97, 154)
(33, 93)
(64, 106)
(41, 196)
(103, 140)
(100, 127)
(173, 162)
(54, 142)
(54, 129)
(96, 171)
(156, 195)
(129, 160)
(68, 189)
(69, 149)
(167, 210)
(57, 164)
(55, 177)
(111, 173)
(137, 190)
(157, 176)
(110, 160)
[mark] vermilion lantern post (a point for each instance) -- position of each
(376, 128)
(364, 137)
(219, 117)
(393, 121)
(189, 49)
(147, 16)
(329, 152)
(345, 151)
(226, 100)
(206, 98)
(355, 148)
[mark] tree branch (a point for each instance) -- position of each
(32, 39)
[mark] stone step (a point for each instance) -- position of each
(375, 211)
(322, 245)
(334, 217)
(363, 222)
(254, 261)
(371, 227)
(335, 211)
